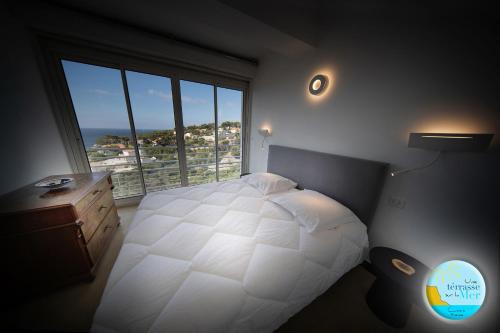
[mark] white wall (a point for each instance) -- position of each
(30, 141)
(389, 81)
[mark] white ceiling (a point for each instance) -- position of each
(251, 29)
(284, 27)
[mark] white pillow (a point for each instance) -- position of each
(315, 211)
(268, 183)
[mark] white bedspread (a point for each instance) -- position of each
(220, 258)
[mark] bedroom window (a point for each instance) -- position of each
(153, 118)
(211, 155)
(101, 111)
(229, 111)
(198, 115)
(154, 131)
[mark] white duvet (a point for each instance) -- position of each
(220, 258)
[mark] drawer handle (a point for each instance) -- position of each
(96, 191)
(101, 208)
(79, 224)
(107, 227)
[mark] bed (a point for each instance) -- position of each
(222, 257)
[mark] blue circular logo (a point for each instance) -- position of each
(455, 290)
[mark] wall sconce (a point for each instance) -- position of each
(265, 132)
(454, 142)
(318, 84)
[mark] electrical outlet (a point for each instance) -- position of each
(396, 202)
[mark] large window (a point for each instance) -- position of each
(154, 131)
(229, 104)
(198, 114)
(153, 116)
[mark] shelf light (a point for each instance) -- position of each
(443, 142)
(447, 137)
(457, 142)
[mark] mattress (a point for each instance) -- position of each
(220, 257)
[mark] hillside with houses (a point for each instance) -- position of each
(159, 156)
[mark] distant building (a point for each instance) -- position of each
(209, 138)
(127, 152)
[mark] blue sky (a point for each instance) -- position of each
(99, 101)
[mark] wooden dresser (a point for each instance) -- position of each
(53, 238)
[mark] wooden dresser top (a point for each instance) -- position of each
(30, 197)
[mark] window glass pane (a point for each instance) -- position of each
(199, 131)
(153, 112)
(99, 103)
(229, 108)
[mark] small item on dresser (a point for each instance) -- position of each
(54, 183)
(403, 267)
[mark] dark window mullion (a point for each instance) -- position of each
(245, 132)
(132, 129)
(179, 130)
(216, 134)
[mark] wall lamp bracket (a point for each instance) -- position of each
(265, 132)
(425, 166)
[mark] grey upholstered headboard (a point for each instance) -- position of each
(356, 183)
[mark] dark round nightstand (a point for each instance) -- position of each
(392, 294)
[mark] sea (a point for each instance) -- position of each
(90, 135)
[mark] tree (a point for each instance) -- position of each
(228, 124)
(112, 139)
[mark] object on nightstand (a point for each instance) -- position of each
(400, 279)
(403, 267)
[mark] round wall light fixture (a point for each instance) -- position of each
(318, 84)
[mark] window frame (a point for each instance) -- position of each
(54, 49)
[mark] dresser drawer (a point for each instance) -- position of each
(87, 200)
(96, 213)
(42, 240)
(103, 235)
